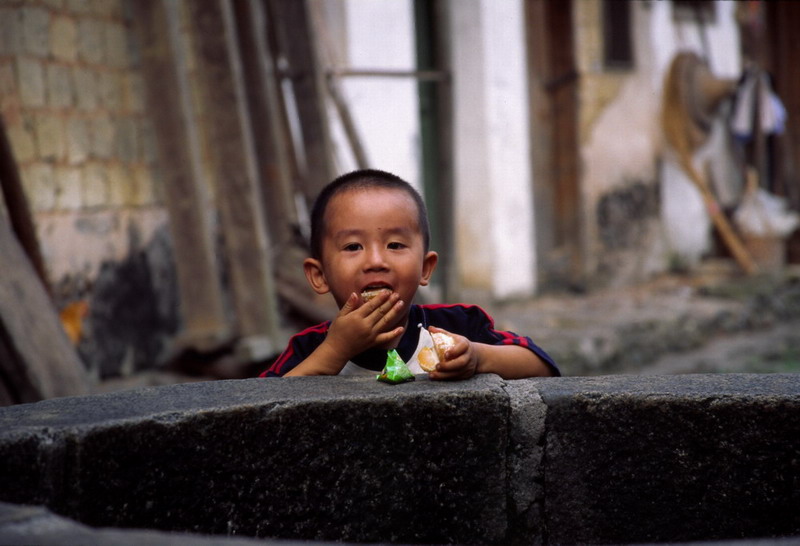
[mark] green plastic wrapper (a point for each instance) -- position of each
(395, 370)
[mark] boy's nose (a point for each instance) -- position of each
(375, 259)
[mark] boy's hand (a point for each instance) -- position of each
(461, 360)
(361, 326)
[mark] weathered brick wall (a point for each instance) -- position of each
(73, 105)
(72, 102)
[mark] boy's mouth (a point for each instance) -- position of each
(372, 290)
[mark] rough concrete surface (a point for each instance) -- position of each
(682, 458)
(611, 459)
(315, 458)
(36, 525)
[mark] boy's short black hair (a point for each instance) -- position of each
(359, 180)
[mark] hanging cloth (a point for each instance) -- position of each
(755, 89)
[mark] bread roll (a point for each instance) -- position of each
(367, 295)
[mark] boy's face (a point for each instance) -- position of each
(372, 239)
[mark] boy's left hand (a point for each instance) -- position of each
(461, 360)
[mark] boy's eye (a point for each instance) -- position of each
(396, 246)
(352, 247)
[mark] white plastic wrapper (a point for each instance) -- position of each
(762, 214)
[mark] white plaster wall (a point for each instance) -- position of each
(625, 142)
(471, 162)
(514, 272)
(79, 243)
(494, 237)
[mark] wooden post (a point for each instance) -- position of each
(264, 105)
(37, 360)
(298, 42)
(17, 205)
(167, 93)
(436, 128)
(232, 166)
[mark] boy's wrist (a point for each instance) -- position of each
(331, 357)
(482, 363)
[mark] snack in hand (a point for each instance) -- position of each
(429, 357)
(396, 371)
(370, 293)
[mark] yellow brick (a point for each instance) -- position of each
(63, 42)
(144, 187)
(68, 188)
(22, 143)
(39, 184)
(121, 189)
(50, 139)
(94, 186)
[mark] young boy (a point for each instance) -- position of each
(369, 233)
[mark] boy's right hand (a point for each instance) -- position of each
(361, 326)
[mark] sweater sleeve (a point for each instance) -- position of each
(300, 346)
(475, 324)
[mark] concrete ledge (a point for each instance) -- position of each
(486, 461)
(672, 458)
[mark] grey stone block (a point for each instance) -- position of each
(30, 75)
(116, 45)
(616, 459)
(693, 457)
(10, 31)
(36, 31)
(50, 143)
(128, 139)
(77, 141)
(102, 131)
(311, 458)
(63, 39)
(60, 92)
(86, 89)
(525, 478)
(37, 525)
(91, 40)
(109, 85)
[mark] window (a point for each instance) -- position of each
(617, 47)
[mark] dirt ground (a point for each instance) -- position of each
(714, 320)
(772, 350)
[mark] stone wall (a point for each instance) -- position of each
(72, 104)
(617, 459)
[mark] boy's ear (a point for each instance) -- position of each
(428, 267)
(315, 275)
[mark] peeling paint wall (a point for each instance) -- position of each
(620, 134)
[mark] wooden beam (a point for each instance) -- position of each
(232, 166)
(167, 97)
(37, 360)
(433, 57)
(17, 206)
(421, 75)
(264, 106)
(297, 41)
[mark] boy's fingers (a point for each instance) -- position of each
(447, 375)
(388, 336)
(385, 308)
(349, 305)
(376, 303)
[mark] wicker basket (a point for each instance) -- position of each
(768, 252)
